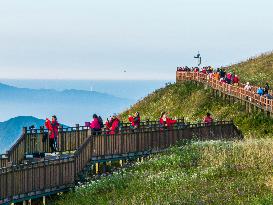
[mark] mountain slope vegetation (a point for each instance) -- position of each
(257, 70)
(197, 173)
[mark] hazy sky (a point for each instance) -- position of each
(86, 39)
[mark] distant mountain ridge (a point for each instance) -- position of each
(7, 92)
(71, 106)
(11, 130)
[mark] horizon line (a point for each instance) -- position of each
(101, 79)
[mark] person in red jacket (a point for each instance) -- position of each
(52, 132)
(95, 125)
(208, 119)
(135, 120)
(165, 121)
(236, 80)
(113, 125)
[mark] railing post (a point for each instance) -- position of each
(24, 133)
(41, 136)
(62, 139)
(77, 136)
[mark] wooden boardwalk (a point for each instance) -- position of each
(19, 182)
(249, 98)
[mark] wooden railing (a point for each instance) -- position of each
(36, 141)
(20, 182)
(69, 139)
(232, 90)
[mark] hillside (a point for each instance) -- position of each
(198, 173)
(11, 129)
(257, 70)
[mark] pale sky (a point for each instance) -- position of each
(86, 39)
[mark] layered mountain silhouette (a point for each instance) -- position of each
(70, 106)
(11, 129)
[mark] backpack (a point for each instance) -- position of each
(101, 122)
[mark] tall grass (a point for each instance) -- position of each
(197, 173)
(256, 70)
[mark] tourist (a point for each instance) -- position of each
(247, 87)
(135, 120)
(208, 119)
(268, 96)
(222, 80)
(228, 78)
(222, 73)
(113, 125)
(260, 91)
(217, 75)
(95, 125)
(196, 69)
(266, 88)
(52, 132)
(236, 80)
(165, 121)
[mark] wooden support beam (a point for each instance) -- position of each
(44, 200)
(104, 167)
(97, 168)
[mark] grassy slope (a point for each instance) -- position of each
(198, 173)
(257, 70)
(202, 172)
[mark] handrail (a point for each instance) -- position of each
(228, 89)
(70, 138)
(52, 175)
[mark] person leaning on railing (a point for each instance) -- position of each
(247, 87)
(208, 119)
(165, 121)
(135, 120)
(260, 91)
(235, 80)
(95, 125)
(266, 88)
(113, 125)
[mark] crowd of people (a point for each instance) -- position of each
(221, 74)
(110, 126)
(224, 75)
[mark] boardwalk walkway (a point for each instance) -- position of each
(237, 92)
(19, 182)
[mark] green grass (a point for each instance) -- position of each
(257, 70)
(198, 173)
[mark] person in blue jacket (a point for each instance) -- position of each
(260, 91)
